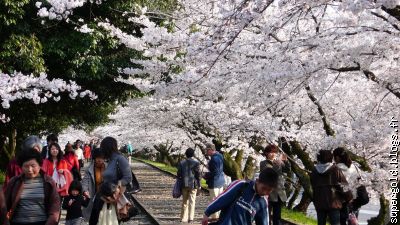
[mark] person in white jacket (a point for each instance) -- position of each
(349, 170)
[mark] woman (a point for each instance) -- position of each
(32, 197)
(349, 170)
(278, 195)
(117, 172)
(328, 184)
(13, 169)
(189, 173)
(56, 167)
(93, 179)
(72, 162)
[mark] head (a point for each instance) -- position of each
(32, 142)
(30, 161)
(210, 149)
(266, 181)
(68, 148)
(189, 153)
(98, 157)
(271, 151)
(78, 144)
(109, 145)
(324, 156)
(341, 156)
(75, 188)
(108, 190)
(55, 152)
(52, 138)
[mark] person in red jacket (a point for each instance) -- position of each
(72, 161)
(86, 152)
(57, 168)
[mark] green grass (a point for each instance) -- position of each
(169, 169)
(2, 176)
(297, 217)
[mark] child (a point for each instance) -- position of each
(74, 202)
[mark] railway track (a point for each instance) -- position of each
(155, 202)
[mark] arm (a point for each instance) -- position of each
(54, 209)
(262, 216)
(225, 199)
(179, 173)
(125, 169)
(65, 203)
(86, 181)
(85, 202)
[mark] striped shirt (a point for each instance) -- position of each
(31, 206)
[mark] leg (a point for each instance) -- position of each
(321, 217)
(334, 216)
(270, 211)
(344, 214)
(214, 192)
(276, 217)
(192, 203)
(185, 206)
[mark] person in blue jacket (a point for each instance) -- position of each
(215, 177)
(244, 201)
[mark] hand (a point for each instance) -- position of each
(284, 157)
(60, 171)
(204, 221)
(86, 194)
(70, 202)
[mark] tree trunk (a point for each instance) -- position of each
(249, 168)
(383, 211)
(231, 168)
(304, 203)
(294, 196)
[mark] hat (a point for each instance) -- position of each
(210, 146)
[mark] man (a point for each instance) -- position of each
(277, 196)
(79, 152)
(244, 202)
(215, 176)
(189, 173)
(52, 138)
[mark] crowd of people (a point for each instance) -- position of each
(41, 181)
(337, 192)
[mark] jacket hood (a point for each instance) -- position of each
(322, 168)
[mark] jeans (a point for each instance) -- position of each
(344, 214)
(77, 221)
(275, 208)
(334, 216)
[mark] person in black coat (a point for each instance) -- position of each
(73, 203)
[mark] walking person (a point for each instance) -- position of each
(79, 153)
(32, 197)
(52, 138)
(330, 189)
(72, 161)
(350, 171)
(117, 172)
(189, 173)
(13, 169)
(56, 167)
(87, 151)
(244, 201)
(73, 203)
(93, 179)
(215, 177)
(278, 195)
